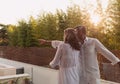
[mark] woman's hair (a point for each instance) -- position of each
(71, 38)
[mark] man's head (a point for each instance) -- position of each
(81, 32)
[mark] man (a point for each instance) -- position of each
(89, 49)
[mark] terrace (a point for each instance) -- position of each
(37, 74)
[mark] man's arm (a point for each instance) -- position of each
(53, 43)
(119, 64)
(45, 42)
(106, 53)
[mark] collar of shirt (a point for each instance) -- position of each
(86, 39)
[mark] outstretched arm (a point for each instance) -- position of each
(119, 64)
(106, 53)
(53, 43)
(43, 41)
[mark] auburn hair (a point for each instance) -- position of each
(71, 38)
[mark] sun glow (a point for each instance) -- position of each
(92, 6)
(95, 12)
(95, 19)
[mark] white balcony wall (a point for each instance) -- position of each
(39, 75)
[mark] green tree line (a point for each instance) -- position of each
(50, 26)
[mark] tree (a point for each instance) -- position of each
(74, 16)
(47, 26)
(62, 23)
(26, 36)
(33, 23)
(3, 35)
(12, 35)
(113, 22)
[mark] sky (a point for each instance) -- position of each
(11, 11)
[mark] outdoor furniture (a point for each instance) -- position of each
(7, 70)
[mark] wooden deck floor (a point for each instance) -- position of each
(108, 82)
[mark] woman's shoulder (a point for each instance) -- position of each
(63, 44)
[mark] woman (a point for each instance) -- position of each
(68, 59)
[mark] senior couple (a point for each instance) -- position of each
(76, 57)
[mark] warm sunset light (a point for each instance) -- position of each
(92, 6)
(95, 19)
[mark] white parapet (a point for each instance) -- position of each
(38, 74)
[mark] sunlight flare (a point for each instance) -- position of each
(95, 19)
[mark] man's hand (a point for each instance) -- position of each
(46, 42)
(57, 67)
(119, 64)
(42, 41)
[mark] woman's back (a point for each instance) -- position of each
(69, 64)
(70, 56)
